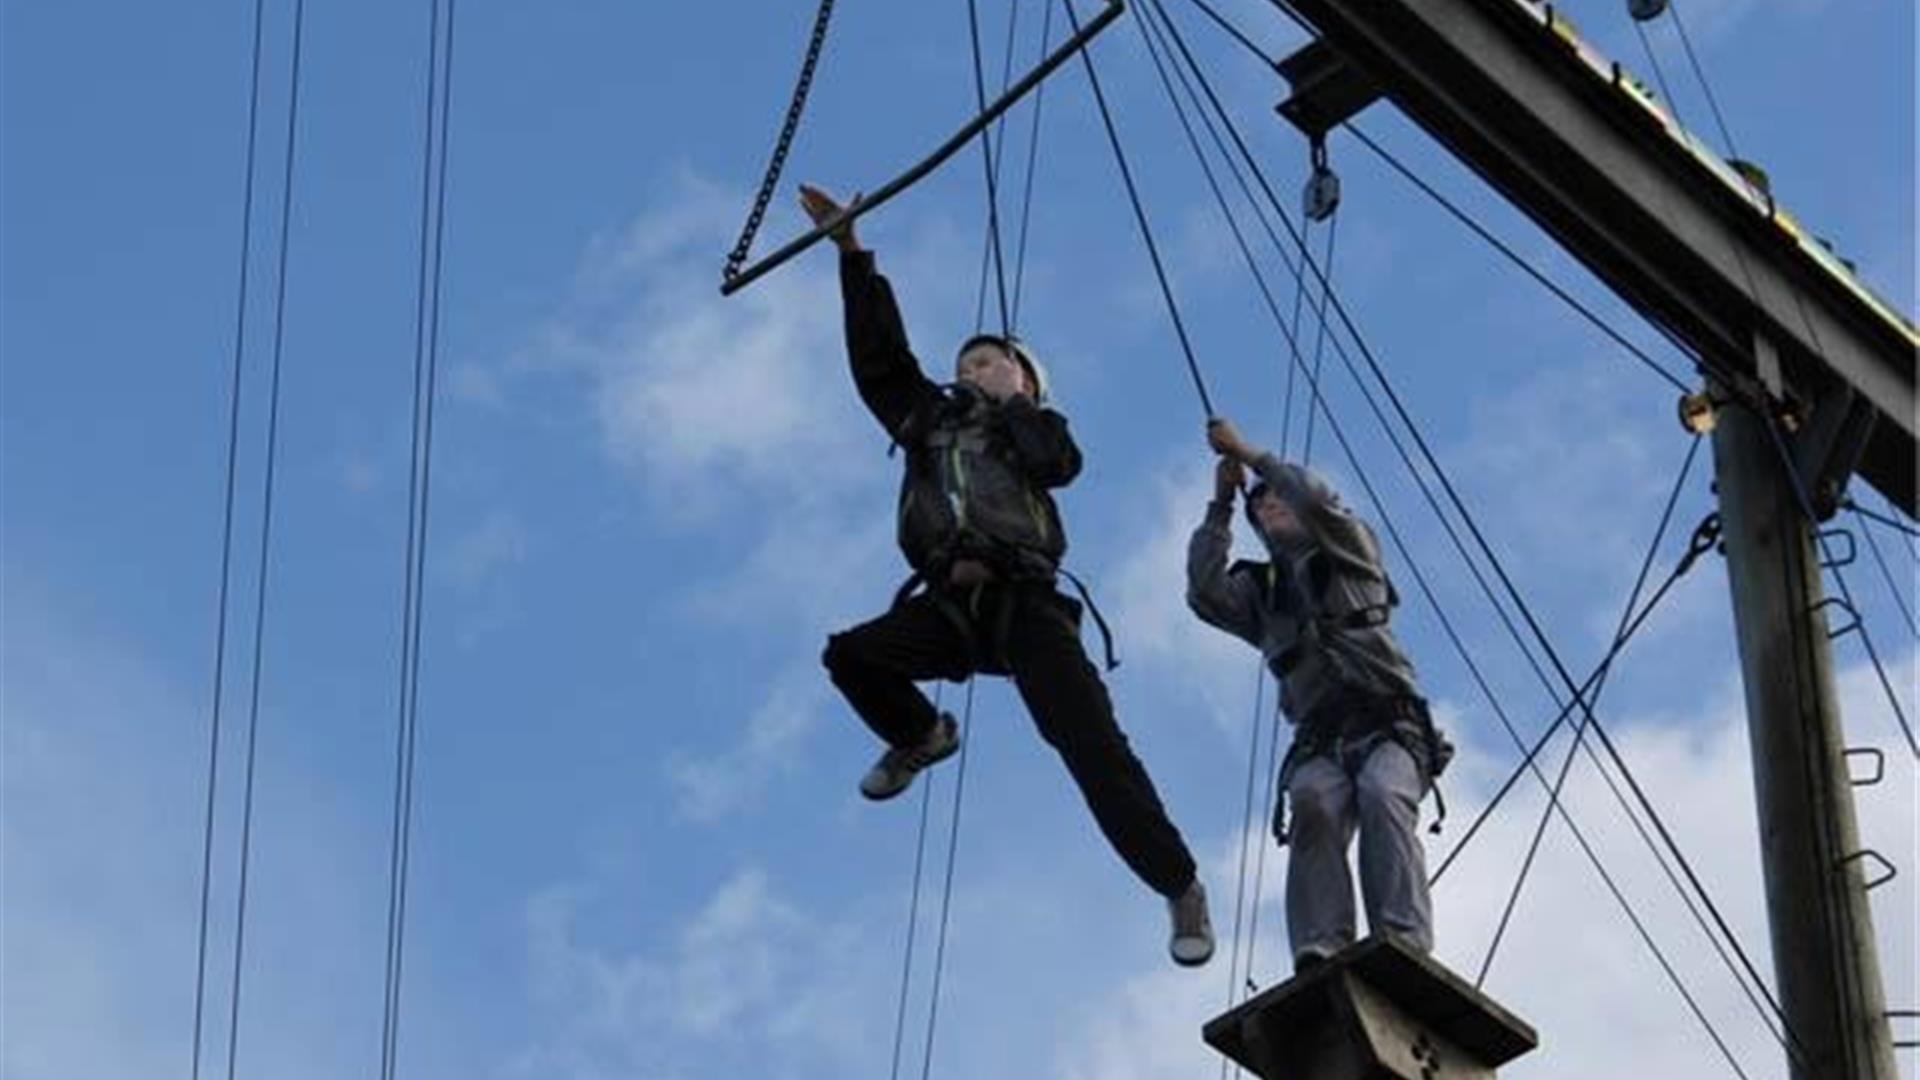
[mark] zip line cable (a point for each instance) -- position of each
(1247, 832)
(989, 246)
(913, 909)
(1679, 856)
(1033, 157)
(427, 314)
(1320, 327)
(988, 166)
(1260, 858)
(1892, 523)
(1140, 217)
(946, 891)
(1514, 256)
(266, 534)
(1893, 588)
(226, 536)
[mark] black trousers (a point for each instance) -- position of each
(1031, 632)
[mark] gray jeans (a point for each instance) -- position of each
(1380, 795)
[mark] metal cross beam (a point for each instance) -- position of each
(1573, 141)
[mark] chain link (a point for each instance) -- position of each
(738, 257)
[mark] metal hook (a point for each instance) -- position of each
(1853, 615)
(1879, 759)
(1853, 548)
(1868, 853)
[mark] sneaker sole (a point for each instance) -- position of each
(897, 792)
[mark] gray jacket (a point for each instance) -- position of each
(1317, 611)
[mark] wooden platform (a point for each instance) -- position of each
(1377, 1010)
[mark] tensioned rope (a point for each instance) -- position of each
(266, 534)
(226, 535)
(946, 889)
(426, 355)
(1033, 157)
(989, 167)
(1281, 211)
(913, 911)
(1248, 832)
(1140, 218)
(1886, 573)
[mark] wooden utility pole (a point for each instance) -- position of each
(1824, 958)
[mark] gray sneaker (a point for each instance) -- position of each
(895, 770)
(1192, 943)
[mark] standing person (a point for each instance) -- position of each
(1364, 747)
(982, 534)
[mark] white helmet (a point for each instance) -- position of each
(1023, 354)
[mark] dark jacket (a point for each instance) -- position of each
(1317, 612)
(977, 471)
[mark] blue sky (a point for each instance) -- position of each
(638, 850)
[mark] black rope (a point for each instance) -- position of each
(1886, 573)
(946, 890)
(1892, 523)
(226, 539)
(427, 312)
(999, 129)
(1033, 155)
(1693, 59)
(777, 161)
(987, 164)
(1519, 260)
(266, 536)
(1320, 328)
(1260, 860)
(1580, 729)
(1140, 217)
(1236, 33)
(913, 909)
(1247, 832)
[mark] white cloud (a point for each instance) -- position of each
(747, 978)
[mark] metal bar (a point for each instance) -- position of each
(1008, 100)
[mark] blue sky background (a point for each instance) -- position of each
(638, 849)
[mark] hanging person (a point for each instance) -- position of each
(983, 536)
(1364, 749)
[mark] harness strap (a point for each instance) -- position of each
(1106, 634)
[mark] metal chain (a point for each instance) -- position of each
(738, 257)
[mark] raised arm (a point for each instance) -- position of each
(1343, 537)
(885, 370)
(1221, 599)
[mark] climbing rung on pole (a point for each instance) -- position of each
(1065, 52)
